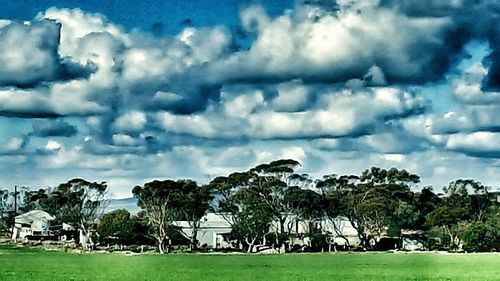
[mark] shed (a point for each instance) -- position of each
(31, 223)
(211, 233)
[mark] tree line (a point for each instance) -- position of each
(262, 205)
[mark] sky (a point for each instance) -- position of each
(130, 91)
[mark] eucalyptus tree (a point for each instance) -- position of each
(373, 202)
(463, 213)
(79, 203)
(160, 204)
(273, 183)
(194, 202)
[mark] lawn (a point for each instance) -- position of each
(32, 264)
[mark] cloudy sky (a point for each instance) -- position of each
(129, 91)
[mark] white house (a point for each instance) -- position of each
(211, 233)
(31, 223)
(341, 229)
(213, 228)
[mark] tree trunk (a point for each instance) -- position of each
(169, 248)
(193, 241)
(339, 233)
(86, 240)
(161, 249)
(250, 245)
(282, 234)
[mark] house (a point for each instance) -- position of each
(342, 232)
(213, 228)
(339, 230)
(31, 223)
(495, 196)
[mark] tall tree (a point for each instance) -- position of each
(161, 203)
(253, 219)
(115, 224)
(5, 208)
(12, 202)
(335, 190)
(462, 214)
(120, 227)
(272, 183)
(371, 201)
(194, 203)
(77, 202)
(307, 205)
(474, 196)
(225, 201)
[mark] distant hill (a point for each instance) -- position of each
(129, 204)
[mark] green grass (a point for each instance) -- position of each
(32, 264)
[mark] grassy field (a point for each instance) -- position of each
(32, 264)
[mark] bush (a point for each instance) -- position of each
(476, 238)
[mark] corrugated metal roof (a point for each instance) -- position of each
(33, 216)
(210, 220)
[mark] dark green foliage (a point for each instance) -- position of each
(166, 201)
(119, 227)
(77, 202)
(379, 202)
(272, 199)
(475, 238)
(115, 224)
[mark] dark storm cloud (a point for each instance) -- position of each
(335, 47)
(53, 128)
(492, 81)
(410, 41)
(320, 71)
(392, 142)
(30, 56)
(185, 95)
(472, 19)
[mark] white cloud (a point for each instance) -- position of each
(468, 87)
(76, 24)
(337, 46)
(477, 142)
(294, 152)
(242, 105)
(206, 44)
(14, 144)
(334, 114)
(394, 157)
(62, 158)
(124, 140)
(196, 125)
(132, 121)
(293, 96)
(29, 52)
(42, 103)
(53, 145)
(316, 85)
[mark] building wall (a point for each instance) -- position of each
(213, 227)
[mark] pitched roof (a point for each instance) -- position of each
(35, 215)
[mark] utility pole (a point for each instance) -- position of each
(15, 200)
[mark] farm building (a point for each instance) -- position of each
(213, 228)
(31, 223)
(342, 231)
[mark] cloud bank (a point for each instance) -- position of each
(325, 82)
